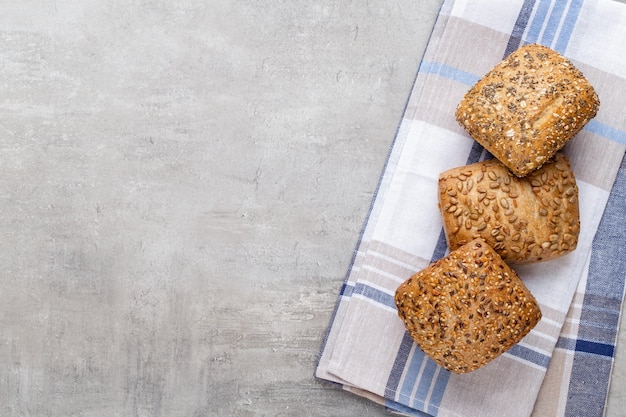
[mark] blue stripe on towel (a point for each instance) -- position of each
(553, 23)
(586, 346)
(438, 391)
(346, 290)
(412, 371)
(568, 26)
(405, 410)
(448, 72)
(566, 343)
(519, 27)
(537, 23)
(601, 349)
(423, 388)
(398, 365)
(529, 355)
(606, 131)
(374, 294)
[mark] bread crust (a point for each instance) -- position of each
(530, 219)
(528, 107)
(467, 308)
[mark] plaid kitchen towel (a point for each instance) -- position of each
(563, 366)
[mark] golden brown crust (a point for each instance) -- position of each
(530, 219)
(528, 107)
(467, 308)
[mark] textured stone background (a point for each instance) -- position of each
(181, 187)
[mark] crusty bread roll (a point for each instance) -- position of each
(528, 107)
(467, 308)
(530, 219)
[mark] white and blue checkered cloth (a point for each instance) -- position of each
(563, 366)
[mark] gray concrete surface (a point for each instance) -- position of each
(182, 184)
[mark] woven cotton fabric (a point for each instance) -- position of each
(563, 366)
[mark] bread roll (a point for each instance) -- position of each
(528, 107)
(467, 308)
(530, 219)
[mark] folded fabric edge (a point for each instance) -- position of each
(391, 406)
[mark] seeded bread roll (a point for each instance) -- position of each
(530, 219)
(528, 107)
(467, 308)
